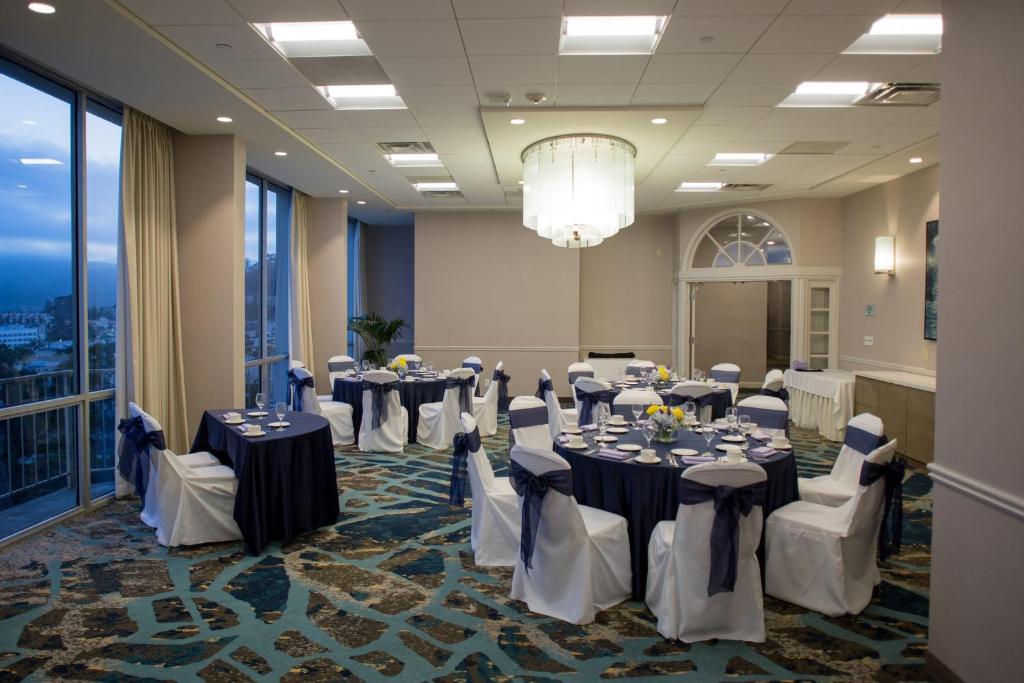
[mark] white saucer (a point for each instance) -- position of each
(733, 462)
(257, 413)
(617, 430)
(254, 435)
(571, 430)
(683, 451)
(778, 448)
(653, 461)
(734, 438)
(280, 424)
(606, 439)
(581, 447)
(236, 421)
(629, 447)
(724, 446)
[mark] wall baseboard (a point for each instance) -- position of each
(939, 671)
(624, 347)
(528, 349)
(913, 369)
(1001, 500)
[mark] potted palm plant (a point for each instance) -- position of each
(377, 334)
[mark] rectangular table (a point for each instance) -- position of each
(821, 400)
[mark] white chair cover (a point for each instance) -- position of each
(824, 558)
(528, 419)
(726, 371)
(559, 418)
(637, 368)
(589, 385)
(196, 505)
(485, 409)
(863, 434)
(495, 523)
(694, 389)
(439, 422)
(774, 380)
(477, 364)
(412, 361)
(339, 366)
(393, 433)
(292, 364)
(762, 410)
(581, 562)
(338, 414)
(624, 402)
(679, 564)
(577, 370)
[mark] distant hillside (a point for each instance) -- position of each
(27, 283)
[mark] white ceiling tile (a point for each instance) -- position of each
(781, 68)
(511, 36)
(800, 116)
(749, 144)
(497, 70)
(751, 94)
(427, 70)
(707, 148)
(786, 134)
(587, 8)
(871, 116)
(273, 73)
(670, 93)
(284, 99)
(891, 139)
(426, 38)
(293, 10)
(398, 9)
(181, 12)
(728, 34)
(332, 135)
(319, 118)
(830, 133)
(920, 7)
(201, 42)
(831, 167)
(874, 68)
(847, 7)
(381, 118)
(729, 7)
(590, 95)
(928, 71)
(689, 68)
(440, 105)
(731, 116)
(495, 9)
(389, 134)
(805, 34)
(923, 116)
(713, 133)
(457, 139)
(601, 68)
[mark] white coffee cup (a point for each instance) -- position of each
(648, 454)
(617, 419)
(254, 430)
(576, 441)
(779, 441)
(733, 454)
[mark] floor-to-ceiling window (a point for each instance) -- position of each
(59, 227)
(267, 229)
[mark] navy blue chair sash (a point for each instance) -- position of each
(674, 399)
(521, 418)
(589, 399)
(477, 367)
(730, 503)
(465, 387)
(502, 379)
(765, 417)
(637, 370)
(576, 374)
(861, 440)
(533, 487)
(379, 401)
(727, 376)
(890, 538)
(297, 385)
(543, 385)
(781, 393)
(133, 453)
(462, 445)
(340, 365)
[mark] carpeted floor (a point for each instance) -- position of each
(391, 593)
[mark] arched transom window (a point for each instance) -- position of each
(742, 239)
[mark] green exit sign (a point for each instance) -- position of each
(869, 310)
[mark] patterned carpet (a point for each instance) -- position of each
(391, 593)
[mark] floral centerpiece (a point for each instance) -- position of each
(666, 421)
(663, 375)
(398, 365)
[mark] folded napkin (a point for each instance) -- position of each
(697, 459)
(231, 416)
(563, 439)
(588, 428)
(761, 436)
(613, 454)
(243, 427)
(761, 451)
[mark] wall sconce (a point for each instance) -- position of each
(885, 255)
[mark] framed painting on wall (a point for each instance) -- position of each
(931, 280)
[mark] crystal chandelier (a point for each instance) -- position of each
(578, 189)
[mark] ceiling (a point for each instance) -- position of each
(717, 74)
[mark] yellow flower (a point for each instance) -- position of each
(663, 373)
(652, 409)
(677, 413)
(402, 363)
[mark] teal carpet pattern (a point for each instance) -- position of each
(390, 593)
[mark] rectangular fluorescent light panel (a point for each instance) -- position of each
(34, 161)
(314, 38)
(611, 35)
(449, 186)
(827, 94)
(382, 96)
(700, 187)
(901, 34)
(740, 159)
(420, 160)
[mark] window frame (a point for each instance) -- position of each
(722, 248)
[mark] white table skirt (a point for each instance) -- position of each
(821, 401)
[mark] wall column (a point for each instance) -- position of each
(327, 234)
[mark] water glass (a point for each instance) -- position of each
(648, 431)
(709, 436)
(280, 409)
(261, 401)
(730, 417)
(690, 410)
(638, 410)
(744, 422)
(602, 419)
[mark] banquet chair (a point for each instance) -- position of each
(392, 430)
(590, 393)
(624, 402)
(196, 504)
(559, 418)
(637, 368)
(727, 374)
(477, 365)
(439, 422)
(580, 562)
(528, 421)
(864, 433)
(577, 370)
(770, 414)
(412, 361)
(695, 391)
(339, 366)
(773, 381)
(153, 432)
(824, 558)
(292, 364)
(337, 413)
(691, 601)
(495, 522)
(485, 408)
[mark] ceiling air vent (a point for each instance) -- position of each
(900, 95)
(745, 187)
(814, 147)
(387, 148)
(442, 194)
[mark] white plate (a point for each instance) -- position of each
(734, 438)
(733, 462)
(257, 413)
(653, 461)
(571, 430)
(779, 448)
(724, 446)
(606, 439)
(683, 451)
(618, 430)
(236, 421)
(628, 447)
(280, 424)
(254, 435)
(581, 447)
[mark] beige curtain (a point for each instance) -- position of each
(301, 309)
(153, 366)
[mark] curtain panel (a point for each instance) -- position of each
(301, 307)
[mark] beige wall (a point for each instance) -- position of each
(328, 283)
(209, 178)
(900, 208)
(486, 285)
(732, 327)
(975, 622)
(626, 291)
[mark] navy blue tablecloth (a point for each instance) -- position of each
(648, 494)
(286, 479)
(411, 394)
(720, 399)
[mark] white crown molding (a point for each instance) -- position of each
(1001, 500)
(531, 349)
(624, 347)
(912, 369)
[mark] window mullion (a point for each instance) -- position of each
(82, 307)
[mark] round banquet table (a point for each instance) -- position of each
(287, 483)
(648, 494)
(719, 399)
(411, 394)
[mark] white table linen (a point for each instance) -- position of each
(821, 400)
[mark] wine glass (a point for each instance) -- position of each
(602, 420)
(709, 436)
(648, 430)
(744, 423)
(638, 410)
(690, 410)
(280, 409)
(261, 401)
(730, 418)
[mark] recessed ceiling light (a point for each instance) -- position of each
(908, 25)
(700, 187)
(30, 122)
(520, 182)
(901, 34)
(610, 35)
(827, 94)
(43, 161)
(916, 160)
(414, 160)
(280, 154)
(360, 202)
(436, 186)
(740, 159)
(342, 191)
(375, 96)
(314, 38)
(659, 120)
(225, 119)
(42, 8)
(517, 122)
(222, 46)
(770, 243)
